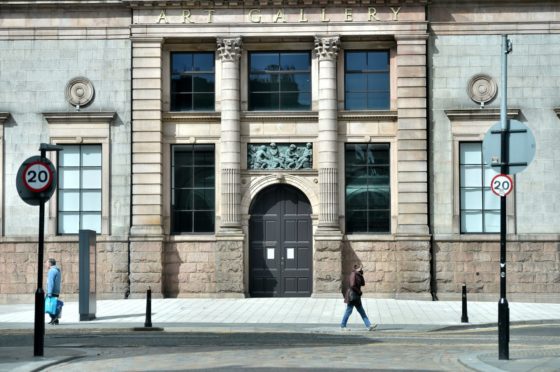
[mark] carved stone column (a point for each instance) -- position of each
(229, 244)
(327, 261)
(229, 51)
(326, 50)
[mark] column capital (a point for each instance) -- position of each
(229, 49)
(326, 47)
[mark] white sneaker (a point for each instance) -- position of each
(344, 329)
(372, 327)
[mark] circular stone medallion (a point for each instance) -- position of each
(79, 91)
(482, 88)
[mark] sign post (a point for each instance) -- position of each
(508, 147)
(35, 183)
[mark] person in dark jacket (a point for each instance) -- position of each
(353, 298)
(53, 285)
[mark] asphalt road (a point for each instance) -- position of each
(532, 347)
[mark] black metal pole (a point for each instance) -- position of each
(503, 307)
(39, 336)
(464, 315)
(148, 322)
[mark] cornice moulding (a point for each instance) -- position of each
(368, 115)
(269, 3)
(192, 117)
(101, 117)
(480, 114)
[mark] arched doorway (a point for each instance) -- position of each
(280, 250)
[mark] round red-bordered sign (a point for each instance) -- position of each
(501, 184)
(37, 176)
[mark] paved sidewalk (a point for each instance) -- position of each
(296, 315)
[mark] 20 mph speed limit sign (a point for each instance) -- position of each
(36, 180)
(501, 184)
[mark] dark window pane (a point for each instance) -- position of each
(182, 221)
(355, 83)
(204, 199)
(295, 83)
(204, 155)
(181, 102)
(264, 101)
(183, 177)
(378, 60)
(203, 177)
(378, 101)
(378, 154)
(183, 156)
(356, 101)
(183, 199)
(264, 83)
(203, 221)
(295, 101)
(203, 83)
(378, 197)
(378, 82)
(356, 221)
(356, 154)
(264, 61)
(181, 84)
(204, 102)
(356, 197)
(181, 62)
(356, 61)
(356, 177)
(379, 222)
(295, 61)
(203, 62)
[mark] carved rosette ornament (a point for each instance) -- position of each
(229, 49)
(326, 47)
(482, 88)
(79, 91)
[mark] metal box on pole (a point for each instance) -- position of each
(87, 274)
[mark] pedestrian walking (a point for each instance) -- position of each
(53, 291)
(353, 298)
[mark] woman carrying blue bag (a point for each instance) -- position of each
(53, 306)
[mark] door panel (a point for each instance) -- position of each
(280, 243)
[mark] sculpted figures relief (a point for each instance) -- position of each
(273, 156)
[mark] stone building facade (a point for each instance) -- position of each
(259, 148)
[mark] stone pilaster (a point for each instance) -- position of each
(328, 238)
(146, 232)
(412, 156)
(229, 51)
(147, 144)
(326, 50)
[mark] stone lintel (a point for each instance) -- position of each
(79, 117)
(482, 114)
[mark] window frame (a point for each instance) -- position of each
(172, 209)
(192, 73)
(389, 209)
(80, 189)
(366, 72)
(483, 189)
(279, 72)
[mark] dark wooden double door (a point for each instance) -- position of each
(280, 251)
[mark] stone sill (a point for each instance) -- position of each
(190, 238)
(275, 116)
(370, 237)
(384, 115)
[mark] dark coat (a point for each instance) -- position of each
(356, 281)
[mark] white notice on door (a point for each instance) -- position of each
(270, 253)
(290, 253)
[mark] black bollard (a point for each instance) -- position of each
(464, 315)
(148, 322)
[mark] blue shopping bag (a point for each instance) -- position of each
(59, 305)
(50, 305)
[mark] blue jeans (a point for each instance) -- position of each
(348, 311)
